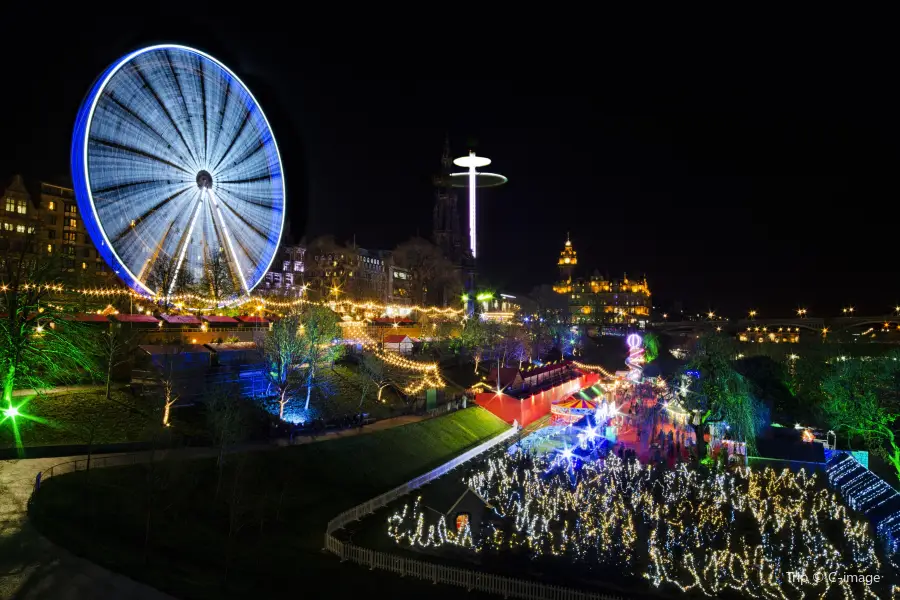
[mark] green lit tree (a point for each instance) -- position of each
(721, 393)
(860, 398)
(39, 346)
(651, 347)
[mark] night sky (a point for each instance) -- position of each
(765, 182)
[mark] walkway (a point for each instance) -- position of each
(34, 568)
(63, 389)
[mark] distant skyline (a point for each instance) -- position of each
(733, 185)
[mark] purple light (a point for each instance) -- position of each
(634, 341)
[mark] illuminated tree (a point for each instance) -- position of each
(651, 347)
(861, 399)
(721, 393)
(167, 365)
(39, 347)
(217, 282)
(283, 350)
(303, 339)
(318, 332)
(472, 340)
(379, 374)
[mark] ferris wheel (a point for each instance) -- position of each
(176, 170)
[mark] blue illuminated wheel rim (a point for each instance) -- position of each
(174, 161)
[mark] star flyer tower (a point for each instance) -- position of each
(474, 179)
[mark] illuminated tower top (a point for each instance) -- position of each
(568, 258)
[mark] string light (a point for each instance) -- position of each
(593, 369)
(763, 534)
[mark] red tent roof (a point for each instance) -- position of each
(89, 318)
(219, 319)
(252, 319)
(180, 319)
(135, 319)
(507, 376)
(396, 339)
(393, 320)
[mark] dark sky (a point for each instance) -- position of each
(763, 180)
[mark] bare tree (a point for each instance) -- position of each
(435, 278)
(379, 374)
(168, 279)
(227, 421)
(217, 281)
(166, 377)
(112, 348)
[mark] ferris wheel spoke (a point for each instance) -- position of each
(167, 111)
(234, 139)
(135, 222)
(190, 93)
(243, 220)
(133, 127)
(137, 152)
(223, 226)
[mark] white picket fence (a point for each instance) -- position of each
(470, 579)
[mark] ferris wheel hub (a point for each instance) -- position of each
(204, 180)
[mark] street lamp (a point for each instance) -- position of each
(710, 315)
(801, 312)
(752, 314)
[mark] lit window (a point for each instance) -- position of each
(71, 223)
(84, 265)
(7, 227)
(49, 248)
(20, 229)
(22, 207)
(51, 205)
(31, 230)
(286, 266)
(10, 204)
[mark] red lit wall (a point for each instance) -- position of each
(532, 408)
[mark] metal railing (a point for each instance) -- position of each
(470, 579)
(81, 464)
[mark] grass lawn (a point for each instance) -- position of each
(275, 504)
(71, 419)
(343, 387)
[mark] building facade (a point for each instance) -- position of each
(336, 273)
(600, 301)
(50, 213)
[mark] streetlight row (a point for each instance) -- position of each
(801, 312)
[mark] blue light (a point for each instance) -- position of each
(155, 123)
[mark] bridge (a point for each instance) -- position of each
(802, 324)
